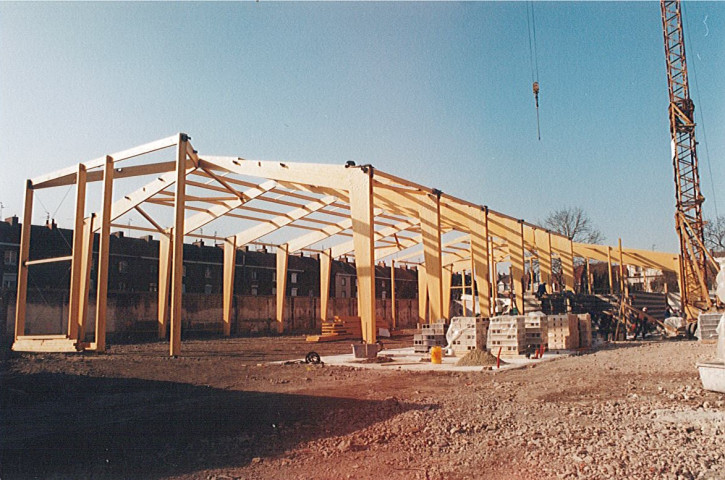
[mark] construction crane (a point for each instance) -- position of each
(694, 256)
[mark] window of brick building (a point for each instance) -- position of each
(11, 257)
(207, 289)
(294, 292)
(207, 273)
(122, 267)
(293, 278)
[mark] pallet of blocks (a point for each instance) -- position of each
(431, 335)
(339, 328)
(563, 332)
(507, 333)
(467, 333)
(537, 330)
(585, 330)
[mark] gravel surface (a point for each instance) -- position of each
(633, 410)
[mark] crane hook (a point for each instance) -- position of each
(536, 97)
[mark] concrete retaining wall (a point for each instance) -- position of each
(135, 313)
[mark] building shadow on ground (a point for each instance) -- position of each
(68, 426)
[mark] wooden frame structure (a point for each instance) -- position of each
(342, 210)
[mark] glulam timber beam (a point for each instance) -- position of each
(347, 247)
(430, 223)
(363, 230)
(67, 176)
(325, 269)
(422, 295)
(23, 257)
(77, 261)
(265, 228)
(282, 262)
(177, 247)
(215, 211)
(103, 256)
(229, 270)
(323, 175)
(130, 201)
(321, 234)
(165, 255)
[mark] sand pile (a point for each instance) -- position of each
(476, 358)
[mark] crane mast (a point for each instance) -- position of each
(688, 216)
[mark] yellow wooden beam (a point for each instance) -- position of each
(265, 228)
(422, 295)
(347, 247)
(103, 255)
(85, 286)
(430, 223)
(67, 176)
(393, 305)
(447, 278)
(77, 261)
(282, 261)
(165, 255)
(177, 244)
(230, 257)
(363, 231)
(23, 256)
(323, 175)
(325, 268)
(215, 211)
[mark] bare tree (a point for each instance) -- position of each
(715, 234)
(572, 222)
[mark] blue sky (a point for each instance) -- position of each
(439, 93)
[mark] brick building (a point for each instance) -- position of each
(133, 267)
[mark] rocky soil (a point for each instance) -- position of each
(633, 410)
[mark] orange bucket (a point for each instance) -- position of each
(436, 355)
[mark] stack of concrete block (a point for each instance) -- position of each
(468, 333)
(507, 333)
(431, 335)
(707, 327)
(563, 332)
(585, 330)
(537, 330)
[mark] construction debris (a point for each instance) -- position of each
(476, 358)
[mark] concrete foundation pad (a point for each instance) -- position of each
(407, 359)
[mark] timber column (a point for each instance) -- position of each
(363, 235)
(177, 244)
(23, 258)
(430, 224)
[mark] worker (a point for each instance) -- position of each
(513, 310)
(605, 327)
(541, 291)
(641, 325)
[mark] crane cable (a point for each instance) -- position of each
(533, 59)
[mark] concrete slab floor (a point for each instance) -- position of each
(407, 359)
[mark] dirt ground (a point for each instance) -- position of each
(630, 410)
